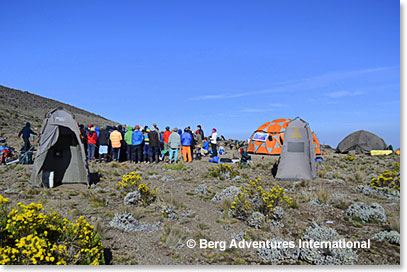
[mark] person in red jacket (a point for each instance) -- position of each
(92, 138)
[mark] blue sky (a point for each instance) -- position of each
(232, 65)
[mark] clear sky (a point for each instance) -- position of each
(232, 65)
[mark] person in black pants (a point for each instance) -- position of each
(25, 132)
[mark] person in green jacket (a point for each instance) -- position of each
(129, 147)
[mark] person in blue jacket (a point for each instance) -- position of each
(186, 140)
(205, 147)
(137, 143)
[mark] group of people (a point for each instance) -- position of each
(146, 144)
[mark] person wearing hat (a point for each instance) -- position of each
(214, 138)
(25, 133)
(92, 138)
(137, 139)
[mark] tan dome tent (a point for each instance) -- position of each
(361, 141)
(297, 159)
(60, 158)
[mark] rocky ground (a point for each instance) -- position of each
(190, 205)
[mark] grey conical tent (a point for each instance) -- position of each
(297, 158)
(361, 141)
(60, 151)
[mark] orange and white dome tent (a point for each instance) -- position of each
(269, 137)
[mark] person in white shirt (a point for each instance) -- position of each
(214, 137)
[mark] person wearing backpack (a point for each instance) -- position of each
(103, 144)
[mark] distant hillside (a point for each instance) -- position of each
(18, 107)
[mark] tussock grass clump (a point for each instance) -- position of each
(179, 166)
(323, 195)
(223, 171)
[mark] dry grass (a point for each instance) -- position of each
(323, 195)
(226, 205)
(172, 236)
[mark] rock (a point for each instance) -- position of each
(238, 237)
(228, 193)
(335, 181)
(202, 189)
(329, 175)
(127, 222)
(325, 256)
(278, 213)
(388, 193)
(187, 230)
(97, 189)
(392, 237)
(226, 175)
(275, 253)
(169, 212)
(132, 198)
(154, 176)
(315, 202)
(369, 178)
(188, 214)
(367, 212)
(256, 220)
(167, 178)
(13, 189)
(237, 178)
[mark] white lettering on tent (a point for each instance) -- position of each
(59, 119)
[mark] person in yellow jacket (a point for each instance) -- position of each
(116, 140)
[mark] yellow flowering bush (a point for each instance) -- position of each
(388, 179)
(223, 171)
(254, 198)
(132, 182)
(350, 158)
(28, 235)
